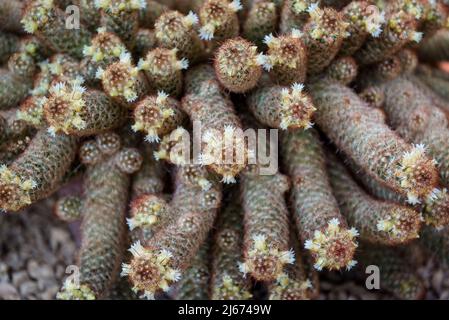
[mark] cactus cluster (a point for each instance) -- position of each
(163, 109)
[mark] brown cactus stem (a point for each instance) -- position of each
(165, 257)
(37, 172)
(360, 132)
(227, 282)
(319, 222)
(106, 187)
(381, 222)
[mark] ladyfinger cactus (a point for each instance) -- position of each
(104, 49)
(150, 177)
(157, 116)
(319, 222)
(434, 209)
(69, 208)
(164, 70)
(436, 241)
(323, 37)
(151, 11)
(177, 31)
(343, 70)
(218, 19)
(363, 20)
(72, 109)
(145, 41)
(121, 17)
(8, 45)
(103, 230)
(397, 274)
(282, 107)
(399, 29)
(164, 258)
(194, 285)
(299, 282)
(44, 19)
(294, 14)
(381, 222)
(415, 118)
(10, 15)
(227, 282)
(436, 47)
(221, 134)
(37, 172)
(435, 79)
(262, 19)
(374, 96)
(286, 58)
(237, 65)
(408, 59)
(362, 135)
(266, 236)
(123, 82)
(13, 89)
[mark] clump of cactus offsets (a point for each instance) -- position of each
(354, 87)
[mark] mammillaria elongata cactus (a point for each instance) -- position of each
(169, 78)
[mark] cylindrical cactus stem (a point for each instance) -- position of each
(149, 14)
(363, 19)
(174, 30)
(157, 116)
(69, 208)
(342, 70)
(34, 47)
(238, 65)
(282, 107)
(223, 148)
(434, 17)
(90, 16)
(378, 221)
(22, 65)
(64, 68)
(219, 20)
(435, 209)
(104, 49)
(37, 172)
(145, 41)
(48, 23)
(436, 47)
(13, 89)
(150, 213)
(361, 133)
(121, 17)
(194, 285)
(374, 96)
(323, 36)
(123, 82)
(380, 73)
(436, 241)
(9, 44)
(294, 14)
(320, 224)
(103, 230)
(399, 29)
(414, 117)
(195, 77)
(150, 177)
(299, 281)
(74, 110)
(286, 58)
(262, 19)
(227, 282)
(164, 70)
(397, 274)
(10, 15)
(266, 233)
(164, 258)
(435, 79)
(409, 60)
